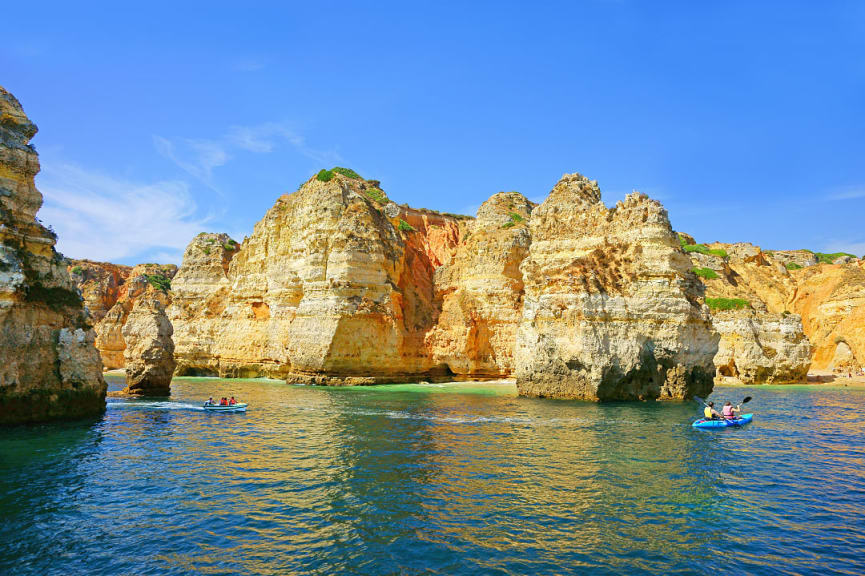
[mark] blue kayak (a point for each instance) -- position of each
(740, 421)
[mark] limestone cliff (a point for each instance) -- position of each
(831, 300)
(110, 292)
(612, 310)
(335, 285)
(480, 292)
(748, 292)
(149, 352)
(49, 367)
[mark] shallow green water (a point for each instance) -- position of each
(444, 479)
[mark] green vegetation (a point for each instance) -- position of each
(230, 245)
(347, 172)
(792, 266)
(825, 258)
(206, 249)
(327, 175)
(376, 195)
(77, 270)
(701, 248)
(706, 273)
(515, 219)
(716, 304)
(159, 282)
(405, 226)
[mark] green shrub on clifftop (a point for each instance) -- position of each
(324, 175)
(792, 266)
(347, 172)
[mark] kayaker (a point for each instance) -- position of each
(710, 413)
(730, 412)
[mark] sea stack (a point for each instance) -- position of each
(612, 309)
(49, 366)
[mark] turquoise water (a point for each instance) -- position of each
(435, 479)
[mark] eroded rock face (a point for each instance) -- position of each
(831, 300)
(328, 289)
(761, 342)
(149, 352)
(110, 291)
(761, 348)
(481, 291)
(612, 309)
(49, 367)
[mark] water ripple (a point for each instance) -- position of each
(435, 479)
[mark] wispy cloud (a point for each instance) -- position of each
(847, 193)
(201, 157)
(100, 217)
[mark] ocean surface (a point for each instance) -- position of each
(436, 479)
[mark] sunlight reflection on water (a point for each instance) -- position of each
(454, 479)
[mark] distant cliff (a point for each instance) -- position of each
(49, 366)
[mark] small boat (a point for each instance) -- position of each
(740, 421)
(239, 407)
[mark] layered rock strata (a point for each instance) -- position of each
(110, 292)
(334, 286)
(612, 310)
(480, 291)
(149, 352)
(49, 366)
(761, 341)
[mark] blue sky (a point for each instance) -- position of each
(746, 119)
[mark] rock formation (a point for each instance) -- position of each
(831, 300)
(761, 347)
(49, 367)
(110, 292)
(149, 352)
(748, 292)
(335, 286)
(481, 291)
(612, 309)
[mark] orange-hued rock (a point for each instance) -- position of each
(480, 291)
(332, 287)
(49, 367)
(612, 310)
(110, 292)
(761, 343)
(831, 301)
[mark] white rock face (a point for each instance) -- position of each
(759, 348)
(611, 307)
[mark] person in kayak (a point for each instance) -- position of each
(232, 402)
(710, 413)
(209, 401)
(730, 412)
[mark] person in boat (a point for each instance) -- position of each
(223, 401)
(710, 413)
(232, 402)
(209, 401)
(729, 412)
